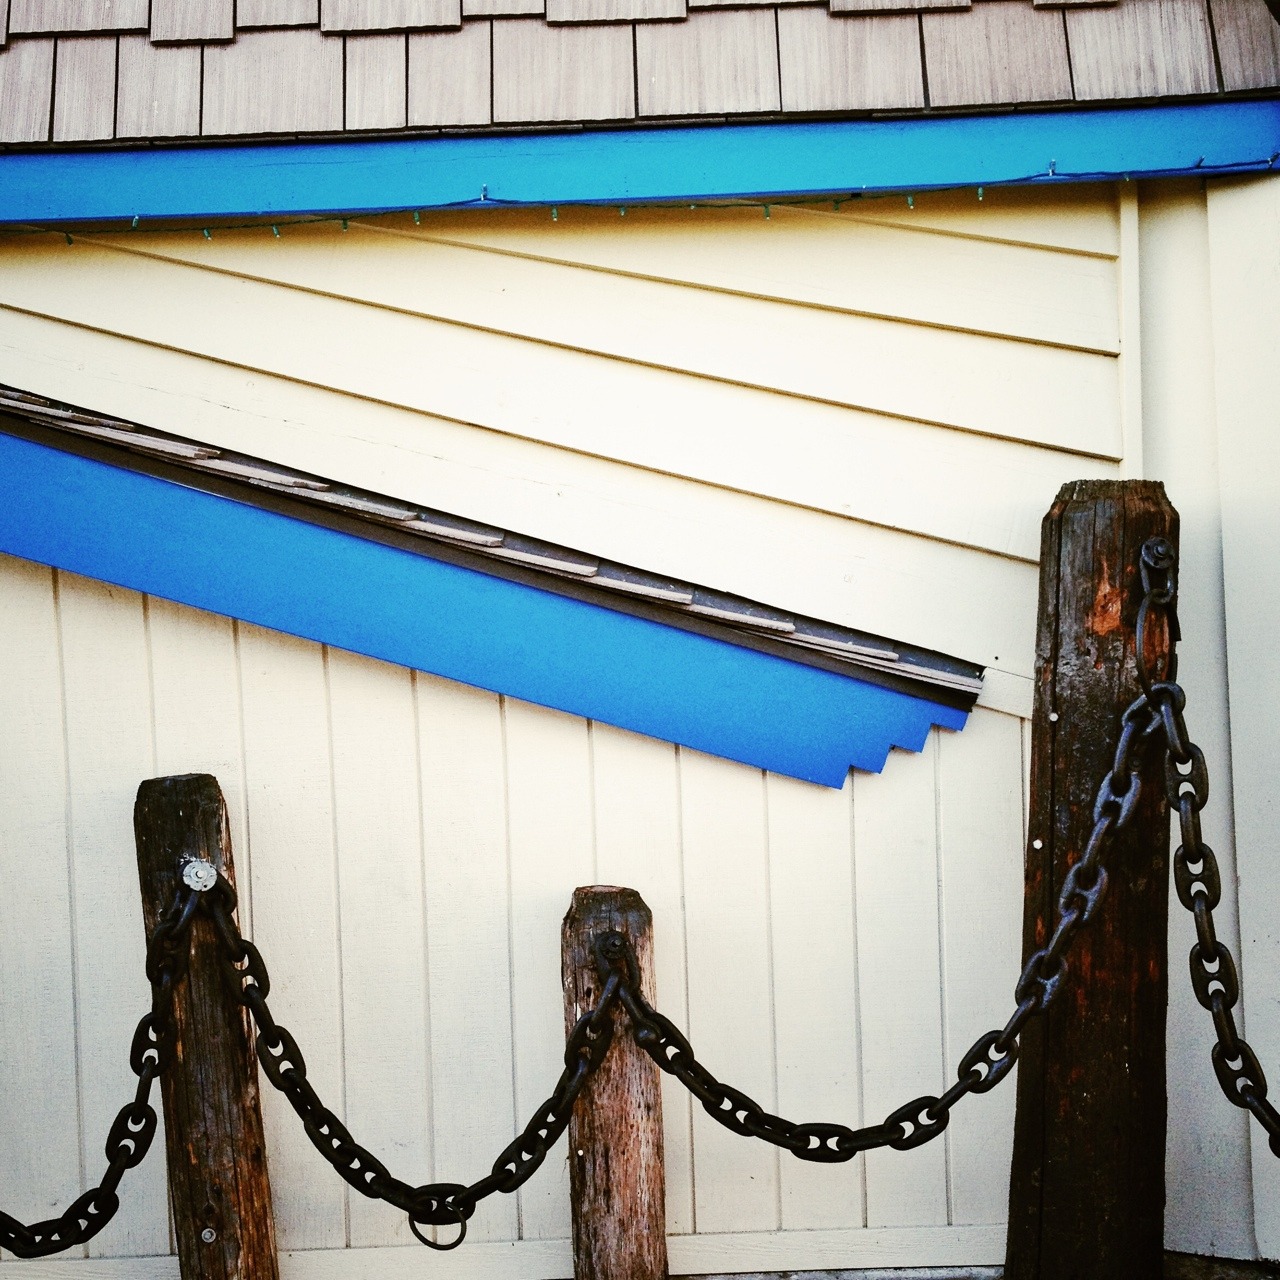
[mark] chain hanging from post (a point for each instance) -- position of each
(1155, 716)
(1195, 867)
(433, 1204)
(134, 1128)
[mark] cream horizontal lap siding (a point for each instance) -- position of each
(710, 393)
(858, 413)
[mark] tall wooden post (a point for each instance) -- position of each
(615, 1134)
(213, 1124)
(1087, 1191)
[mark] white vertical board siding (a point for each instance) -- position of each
(410, 846)
(1182, 444)
(638, 833)
(551, 849)
(899, 976)
(108, 725)
(407, 847)
(462, 758)
(1244, 232)
(981, 802)
(815, 990)
(730, 983)
(290, 808)
(377, 832)
(41, 1166)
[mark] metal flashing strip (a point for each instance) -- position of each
(639, 164)
(213, 552)
(502, 552)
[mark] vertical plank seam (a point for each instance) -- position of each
(948, 1169)
(1132, 465)
(767, 841)
(593, 807)
(343, 91)
(337, 911)
(56, 582)
(149, 651)
(686, 1102)
(857, 995)
(245, 887)
(1213, 44)
(777, 54)
(115, 93)
(511, 936)
(1066, 44)
(152, 720)
(924, 62)
(635, 66)
(429, 1121)
(53, 93)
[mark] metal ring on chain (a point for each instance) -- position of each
(415, 1227)
(1156, 713)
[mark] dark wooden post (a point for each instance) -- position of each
(213, 1125)
(1086, 1198)
(615, 1135)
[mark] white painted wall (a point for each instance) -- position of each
(1244, 255)
(859, 413)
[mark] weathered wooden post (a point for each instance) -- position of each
(1087, 1191)
(213, 1125)
(615, 1135)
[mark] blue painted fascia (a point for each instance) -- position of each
(153, 535)
(630, 166)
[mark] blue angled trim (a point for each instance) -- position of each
(636, 165)
(201, 549)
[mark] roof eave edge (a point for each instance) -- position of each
(633, 166)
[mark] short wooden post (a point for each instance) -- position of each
(1087, 1189)
(213, 1124)
(615, 1135)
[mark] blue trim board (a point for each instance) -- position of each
(722, 162)
(183, 544)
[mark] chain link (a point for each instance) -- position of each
(134, 1127)
(1195, 867)
(1155, 716)
(434, 1204)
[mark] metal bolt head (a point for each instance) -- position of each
(208, 1235)
(199, 875)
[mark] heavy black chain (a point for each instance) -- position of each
(435, 1203)
(1154, 717)
(1195, 868)
(134, 1127)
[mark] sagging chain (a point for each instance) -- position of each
(1195, 868)
(1155, 715)
(134, 1128)
(992, 1056)
(439, 1204)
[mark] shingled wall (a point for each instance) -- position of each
(90, 71)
